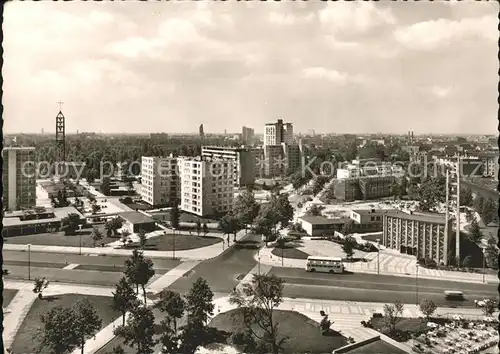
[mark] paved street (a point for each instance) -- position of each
(379, 288)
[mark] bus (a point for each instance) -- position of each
(453, 295)
(324, 264)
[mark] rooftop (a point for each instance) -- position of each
(135, 217)
(319, 220)
(370, 211)
(13, 219)
(418, 216)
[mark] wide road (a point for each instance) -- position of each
(95, 270)
(377, 288)
(224, 272)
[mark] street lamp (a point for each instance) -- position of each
(378, 256)
(484, 266)
(80, 233)
(173, 246)
(416, 283)
(29, 261)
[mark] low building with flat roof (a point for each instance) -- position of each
(36, 221)
(423, 235)
(319, 226)
(135, 221)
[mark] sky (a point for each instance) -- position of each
(335, 67)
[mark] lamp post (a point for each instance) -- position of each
(80, 233)
(29, 261)
(378, 256)
(258, 259)
(484, 266)
(416, 283)
(173, 246)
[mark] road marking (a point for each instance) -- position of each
(71, 266)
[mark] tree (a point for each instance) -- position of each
(175, 215)
(40, 284)
(198, 226)
(469, 217)
(106, 186)
(96, 236)
(124, 298)
(57, 330)
(229, 224)
(491, 253)
(475, 234)
(488, 211)
(139, 270)
(86, 322)
(113, 225)
(258, 301)
(95, 208)
(392, 315)
(69, 224)
(143, 240)
(478, 203)
(199, 304)
(347, 228)
(117, 350)
(314, 210)
(246, 208)
(467, 261)
(427, 307)
(490, 306)
(348, 246)
(139, 330)
(466, 197)
(264, 223)
(172, 304)
(169, 339)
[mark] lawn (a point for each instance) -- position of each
(376, 348)
(57, 239)
(28, 338)
(303, 334)
(289, 252)
(8, 295)
(182, 242)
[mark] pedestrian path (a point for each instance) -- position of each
(261, 269)
(15, 313)
(171, 276)
(407, 267)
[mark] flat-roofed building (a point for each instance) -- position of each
(277, 133)
(207, 186)
(373, 187)
(423, 235)
(160, 180)
(135, 221)
(19, 178)
(247, 134)
(36, 221)
(320, 226)
(244, 161)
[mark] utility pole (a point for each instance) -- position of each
(457, 213)
(447, 211)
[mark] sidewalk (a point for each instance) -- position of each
(266, 257)
(203, 253)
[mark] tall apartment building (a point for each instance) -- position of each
(247, 134)
(490, 165)
(418, 234)
(19, 178)
(244, 161)
(207, 185)
(160, 180)
(277, 133)
(279, 160)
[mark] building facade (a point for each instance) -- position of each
(207, 185)
(490, 165)
(421, 235)
(247, 134)
(373, 187)
(244, 161)
(19, 178)
(160, 180)
(346, 189)
(277, 133)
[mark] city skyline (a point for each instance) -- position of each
(169, 67)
